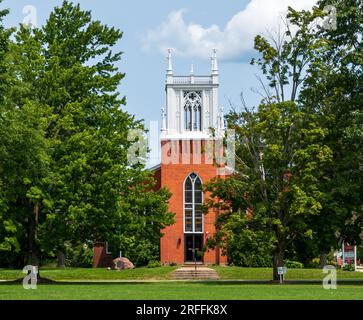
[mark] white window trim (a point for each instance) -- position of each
(107, 249)
(193, 207)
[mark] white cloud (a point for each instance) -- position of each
(190, 39)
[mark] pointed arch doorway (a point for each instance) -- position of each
(193, 219)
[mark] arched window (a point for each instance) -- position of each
(197, 121)
(193, 110)
(188, 118)
(193, 200)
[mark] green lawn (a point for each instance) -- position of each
(94, 274)
(164, 273)
(292, 274)
(179, 291)
(176, 290)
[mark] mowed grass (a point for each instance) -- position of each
(165, 273)
(238, 273)
(176, 290)
(180, 291)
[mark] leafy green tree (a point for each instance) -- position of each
(280, 149)
(66, 73)
(26, 153)
(137, 230)
(23, 163)
(299, 155)
(4, 47)
(24, 166)
(333, 91)
(7, 230)
(245, 241)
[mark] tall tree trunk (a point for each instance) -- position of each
(61, 259)
(33, 255)
(323, 259)
(279, 256)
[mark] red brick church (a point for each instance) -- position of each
(192, 123)
(191, 131)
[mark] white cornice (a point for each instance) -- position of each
(155, 167)
(187, 135)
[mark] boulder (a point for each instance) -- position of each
(122, 264)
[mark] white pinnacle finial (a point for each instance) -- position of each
(214, 61)
(163, 117)
(221, 118)
(192, 68)
(170, 64)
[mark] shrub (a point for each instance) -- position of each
(140, 253)
(348, 267)
(249, 259)
(153, 264)
(245, 244)
(250, 249)
(79, 256)
(294, 264)
(316, 262)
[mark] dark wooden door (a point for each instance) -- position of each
(193, 244)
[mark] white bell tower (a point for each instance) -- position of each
(192, 105)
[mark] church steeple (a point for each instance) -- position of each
(192, 153)
(192, 106)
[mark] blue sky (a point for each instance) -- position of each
(191, 28)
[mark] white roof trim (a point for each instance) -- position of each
(153, 168)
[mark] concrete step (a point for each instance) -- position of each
(194, 272)
(189, 273)
(196, 277)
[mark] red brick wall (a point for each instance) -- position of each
(157, 177)
(100, 258)
(173, 177)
